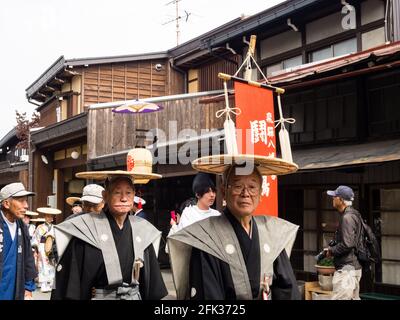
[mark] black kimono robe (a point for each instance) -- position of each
(82, 268)
(212, 280)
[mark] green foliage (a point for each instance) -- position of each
(326, 262)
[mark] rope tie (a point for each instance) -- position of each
(282, 121)
(228, 111)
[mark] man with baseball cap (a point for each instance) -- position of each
(346, 280)
(92, 199)
(17, 267)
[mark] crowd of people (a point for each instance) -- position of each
(107, 249)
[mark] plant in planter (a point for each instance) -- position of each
(325, 266)
(325, 269)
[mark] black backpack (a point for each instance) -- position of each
(368, 249)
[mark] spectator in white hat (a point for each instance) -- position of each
(92, 199)
(17, 267)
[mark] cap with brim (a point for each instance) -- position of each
(331, 193)
(14, 190)
(38, 220)
(218, 164)
(344, 192)
(31, 213)
(71, 200)
(45, 210)
(92, 199)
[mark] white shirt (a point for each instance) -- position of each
(12, 226)
(193, 214)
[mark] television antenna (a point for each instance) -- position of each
(177, 17)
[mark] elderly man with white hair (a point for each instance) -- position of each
(17, 267)
(111, 255)
(236, 256)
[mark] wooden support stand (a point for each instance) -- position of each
(310, 287)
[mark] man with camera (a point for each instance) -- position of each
(346, 280)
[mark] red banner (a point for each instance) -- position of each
(257, 129)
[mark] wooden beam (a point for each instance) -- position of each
(71, 73)
(227, 77)
(58, 80)
(48, 88)
(41, 95)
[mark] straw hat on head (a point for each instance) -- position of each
(71, 200)
(38, 220)
(31, 213)
(141, 181)
(139, 164)
(46, 210)
(266, 165)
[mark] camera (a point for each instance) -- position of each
(322, 254)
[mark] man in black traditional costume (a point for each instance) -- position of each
(236, 255)
(111, 255)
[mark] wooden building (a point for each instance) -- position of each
(62, 95)
(13, 161)
(339, 65)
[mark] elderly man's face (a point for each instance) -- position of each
(120, 197)
(17, 206)
(243, 194)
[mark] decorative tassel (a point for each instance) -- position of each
(229, 125)
(284, 139)
(230, 137)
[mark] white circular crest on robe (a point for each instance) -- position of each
(138, 239)
(59, 267)
(104, 237)
(267, 249)
(193, 292)
(230, 248)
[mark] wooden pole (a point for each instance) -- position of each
(227, 77)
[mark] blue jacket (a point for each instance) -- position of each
(25, 265)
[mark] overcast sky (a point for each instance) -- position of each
(34, 33)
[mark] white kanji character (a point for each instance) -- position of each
(254, 131)
(265, 187)
(270, 143)
(262, 131)
(269, 117)
(273, 177)
(270, 131)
